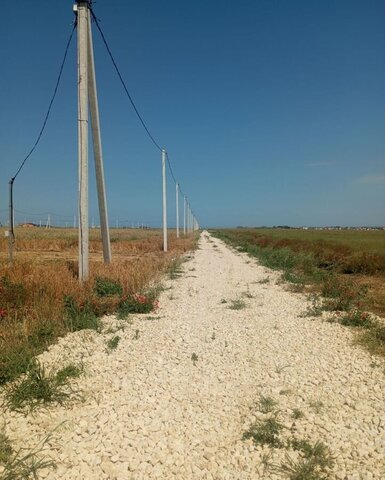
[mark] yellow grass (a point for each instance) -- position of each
(33, 288)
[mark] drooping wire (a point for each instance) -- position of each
(130, 97)
(50, 105)
(123, 82)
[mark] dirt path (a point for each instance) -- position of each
(175, 397)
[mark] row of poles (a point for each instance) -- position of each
(190, 223)
(88, 109)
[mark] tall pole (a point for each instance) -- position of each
(184, 214)
(10, 222)
(164, 201)
(97, 143)
(177, 209)
(83, 137)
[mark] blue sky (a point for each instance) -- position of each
(272, 111)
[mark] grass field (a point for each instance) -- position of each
(343, 268)
(41, 298)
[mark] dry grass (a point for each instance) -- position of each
(44, 273)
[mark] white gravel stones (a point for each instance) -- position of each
(151, 412)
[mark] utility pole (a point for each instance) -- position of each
(177, 209)
(11, 222)
(184, 214)
(87, 96)
(164, 201)
(82, 13)
(97, 143)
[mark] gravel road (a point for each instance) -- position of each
(173, 400)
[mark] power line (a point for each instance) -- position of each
(130, 97)
(49, 107)
(124, 84)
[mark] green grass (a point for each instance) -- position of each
(40, 387)
(344, 271)
(174, 270)
(237, 304)
(22, 464)
(266, 404)
(265, 432)
(80, 317)
(314, 463)
(113, 343)
(106, 286)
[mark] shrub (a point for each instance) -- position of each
(80, 317)
(265, 432)
(39, 387)
(106, 286)
(137, 303)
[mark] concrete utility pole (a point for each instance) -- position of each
(97, 142)
(11, 222)
(164, 201)
(87, 95)
(177, 209)
(83, 12)
(184, 214)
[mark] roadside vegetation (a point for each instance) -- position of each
(303, 459)
(342, 271)
(40, 295)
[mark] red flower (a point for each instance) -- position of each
(3, 312)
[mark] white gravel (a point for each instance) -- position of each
(151, 412)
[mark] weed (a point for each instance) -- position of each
(247, 294)
(279, 369)
(226, 343)
(317, 406)
(265, 432)
(356, 318)
(6, 449)
(285, 391)
(80, 316)
(266, 404)
(174, 270)
(194, 358)
(237, 304)
(213, 336)
(374, 339)
(70, 371)
(106, 286)
(223, 300)
(40, 387)
(136, 336)
(297, 413)
(316, 308)
(21, 464)
(266, 462)
(314, 462)
(113, 343)
(137, 303)
(152, 318)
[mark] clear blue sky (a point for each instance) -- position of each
(272, 111)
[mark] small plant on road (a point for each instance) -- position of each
(266, 404)
(194, 358)
(21, 464)
(237, 304)
(265, 432)
(136, 336)
(40, 387)
(297, 414)
(113, 343)
(314, 463)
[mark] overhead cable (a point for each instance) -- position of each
(49, 107)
